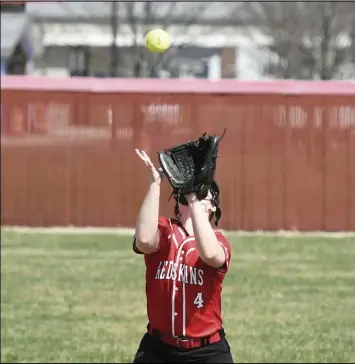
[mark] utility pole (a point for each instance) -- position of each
(114, 30)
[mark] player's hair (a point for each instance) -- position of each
(214, 189)
(216, 201)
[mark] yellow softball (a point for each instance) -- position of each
(157, 40)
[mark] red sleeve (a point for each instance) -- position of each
(227, 250)
(163, 230)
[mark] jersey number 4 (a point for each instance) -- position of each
(199, 300)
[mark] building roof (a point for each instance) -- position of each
(96, 35)
(211, 13)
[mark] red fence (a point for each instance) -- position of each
(67, 149)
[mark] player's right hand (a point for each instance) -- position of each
(157, 175)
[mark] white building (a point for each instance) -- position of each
(75, 38)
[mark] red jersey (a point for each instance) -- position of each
(183, 292)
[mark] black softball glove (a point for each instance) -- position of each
(190, 167)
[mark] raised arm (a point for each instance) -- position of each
(146, 235)
(210, 250)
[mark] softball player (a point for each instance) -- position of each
(186, 263)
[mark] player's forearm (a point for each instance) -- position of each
(147, 220)
(210, 250)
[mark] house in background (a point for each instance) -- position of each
(75, 39)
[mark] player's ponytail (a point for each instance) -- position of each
(177, 210)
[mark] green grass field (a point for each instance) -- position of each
(80, 298)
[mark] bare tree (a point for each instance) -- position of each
(142, 17)
(305, 40)
(114, 54)
(138, 18)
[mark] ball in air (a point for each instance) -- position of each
(157, 40)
